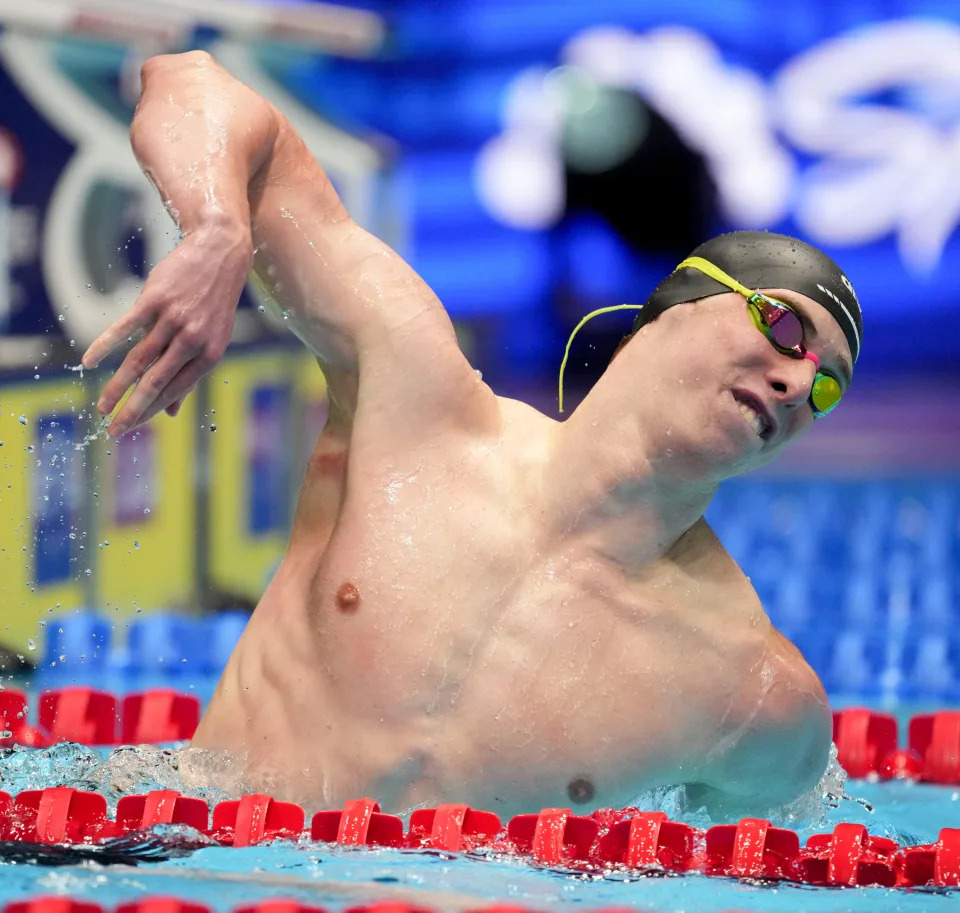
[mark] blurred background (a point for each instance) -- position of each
(533, 160)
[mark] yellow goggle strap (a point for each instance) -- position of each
(717, 274)
(698, 263)
(576, 329)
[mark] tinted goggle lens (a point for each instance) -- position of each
(785, 327)
(825, 393)
(785, 330)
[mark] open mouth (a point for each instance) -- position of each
(754, 415)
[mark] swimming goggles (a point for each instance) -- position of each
(779, 322)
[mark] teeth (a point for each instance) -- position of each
(753, 417)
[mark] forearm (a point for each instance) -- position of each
(201, 137)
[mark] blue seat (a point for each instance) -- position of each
(930, 665)
(168, 643)
(77, 641)
(856, 665)
(223, 631)
(815, 643)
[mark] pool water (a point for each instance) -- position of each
(862, 575)
(338, 877)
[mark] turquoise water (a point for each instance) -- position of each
(338, 877)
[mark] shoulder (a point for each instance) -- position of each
(783, 744)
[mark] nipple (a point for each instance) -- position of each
(580, 790)
(348, 598)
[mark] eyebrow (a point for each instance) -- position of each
(845, 367)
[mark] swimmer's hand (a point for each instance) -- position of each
(186, 310)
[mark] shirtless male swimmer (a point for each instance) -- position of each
(479, 603)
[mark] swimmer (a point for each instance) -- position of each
(479, 603)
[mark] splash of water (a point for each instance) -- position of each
(213, 776)
(98, 432)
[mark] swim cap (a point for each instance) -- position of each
(764, 259)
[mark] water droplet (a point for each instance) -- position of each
(261, 308)
(88, 572)
(31, 646)
(146, 510)
(30, 448)
(73, 535)
(136, 544)
(22, 419)
(213, 427)
(61, 318)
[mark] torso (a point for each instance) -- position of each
(425, 639)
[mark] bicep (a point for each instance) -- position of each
(353, 301)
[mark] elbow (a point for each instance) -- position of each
(167, 63)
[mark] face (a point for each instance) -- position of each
(718, 398)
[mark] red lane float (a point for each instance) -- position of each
(452, 827)
(13, 719)
(162, 905)
(936, 738)
(160, 715)
(279, 906)
(254, 819)
(90, 717)
(162, 806)
(52, 905)
(650, 839)
(751, 849)
(554, 836)
(863, 739)
(936, 864)
(850, 856)
(79, 715)
(59, 814)
(359, 823)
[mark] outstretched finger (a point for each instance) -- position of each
(176, 392)
(118, 331)
(149, 388)
(134, 366)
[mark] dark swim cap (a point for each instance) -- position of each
(763, 259)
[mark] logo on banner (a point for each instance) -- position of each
(879, 168)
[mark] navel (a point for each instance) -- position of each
(348, 598)
(580, 790)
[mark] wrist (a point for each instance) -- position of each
(225, 233)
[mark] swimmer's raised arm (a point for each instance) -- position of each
(200, 136)
(237, 177)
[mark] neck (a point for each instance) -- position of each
(609, 484)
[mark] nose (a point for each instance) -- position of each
(792, 378)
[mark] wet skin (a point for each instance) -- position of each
(478, 603)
